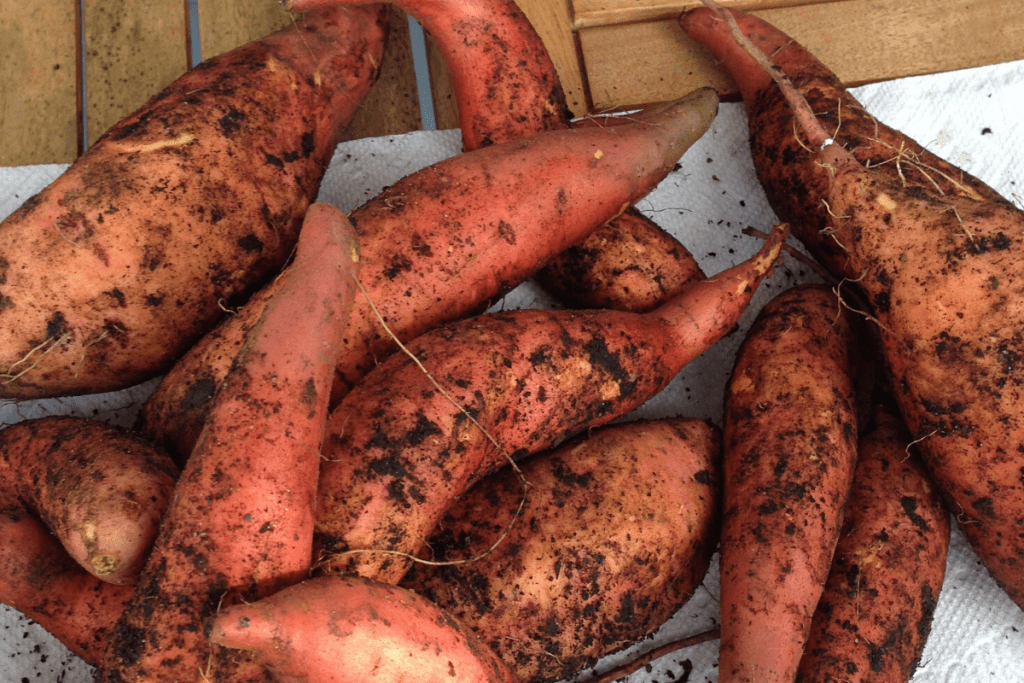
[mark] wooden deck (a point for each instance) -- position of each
(609, 53)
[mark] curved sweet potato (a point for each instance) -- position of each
(616, 533)
(118, 266)
(506, 87)
(349, 629)
(875, 613)
(40, 580)
(790, 443)
(240, 524)
(100, 490)
(937, 254)
(401, 449)
(445, 241)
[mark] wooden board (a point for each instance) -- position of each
(38, 82)
(588, 13)
(129, 50)
(863, 41)
(133, 50)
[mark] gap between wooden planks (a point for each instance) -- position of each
(131, 51)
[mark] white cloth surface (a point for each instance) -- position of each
(972, 118)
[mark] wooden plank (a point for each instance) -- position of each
(589, 13)
(861, 40)
(553, 22)
(226, 24)
(133, 49)
(38, 82)
(393, 105)
(442, 91)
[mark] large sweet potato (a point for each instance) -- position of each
(447, 240)
(401, 447)
(937, 254)
(790, 443)
(180, 209)
(616, 532)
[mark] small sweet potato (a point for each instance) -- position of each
(790, 444)
(447, 240)
(616, 532)
(937, 254)
(98, 489)
(240, 524)
(184, 207)
(350, 629)
(402, 448)
(875, 613)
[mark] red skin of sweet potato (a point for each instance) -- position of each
(185, 206)
(939, 259)
(71, 484)
(616, 533)
(506, 87)
(348, 629)
(240, 524)
(447, 240)
(400, 450)
(875, 613)
(790, 443)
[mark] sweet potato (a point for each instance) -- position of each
(401, 449)
(240, 523)
(350, 629)
(183, 207)
(790, 443)
(936, 253)
(44, 583)
(447, 240)
(506, 87)
(875, 613)
(98, 491)
(616, 533)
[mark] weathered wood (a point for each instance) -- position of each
(226, 24)
(442, 91)
(588, 13)
(393, 105)
(861, 40)
(133, 50)
(38, 82)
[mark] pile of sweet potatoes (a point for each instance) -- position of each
(369, 472)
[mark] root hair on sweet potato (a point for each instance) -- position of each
(324, 558)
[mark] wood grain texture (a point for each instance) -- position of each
(38, 82)
(863, 41)
(442, 91)
(226, 24)
(133, 50)
(393, 105)
(587, 13)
